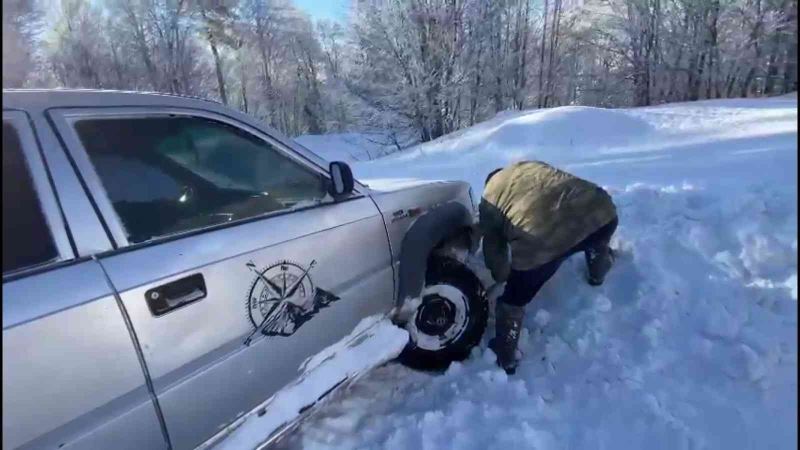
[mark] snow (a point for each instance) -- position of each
(391, 184)
(374, 341)
(347, 147)
(692, 341)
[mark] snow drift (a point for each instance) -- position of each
(372, 342)
(692, 341)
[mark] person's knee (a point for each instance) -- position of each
(522, 286)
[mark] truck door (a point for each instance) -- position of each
(220, 229)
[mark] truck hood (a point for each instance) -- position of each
(384, 185)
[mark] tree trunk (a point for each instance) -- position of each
(554, 29)
(712, 89)
(117, 69)
(540, 98)
(218, 67)
(242, 79)
(790, 68)
(499, 65)
(473, 102)
(790, 56)
(755, 38)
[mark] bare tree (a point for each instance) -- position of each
(21, 21)
(412, 70)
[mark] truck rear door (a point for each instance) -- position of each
(71, 376)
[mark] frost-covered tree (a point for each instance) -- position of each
(21, 22)
(408, 70)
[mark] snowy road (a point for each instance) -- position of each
(691, 343)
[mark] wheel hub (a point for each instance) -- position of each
(436, 315)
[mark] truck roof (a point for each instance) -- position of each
(53, 98)
(38, 101)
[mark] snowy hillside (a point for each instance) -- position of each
(348, 147)
(690, 344)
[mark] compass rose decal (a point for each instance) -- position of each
(282, 298)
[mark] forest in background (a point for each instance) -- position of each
(411, 70)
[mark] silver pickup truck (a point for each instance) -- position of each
(169, 263)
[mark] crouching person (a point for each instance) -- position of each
(544, 215)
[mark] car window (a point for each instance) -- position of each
(171, 174)
(27, 240)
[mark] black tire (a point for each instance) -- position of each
(447, 271)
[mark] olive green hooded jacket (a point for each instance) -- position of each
(540, 212)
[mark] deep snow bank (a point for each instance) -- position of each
(372, 342)
(349, 147)
(692, 341)
(701, 142)
(572, 129)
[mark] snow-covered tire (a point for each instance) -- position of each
(450, 319)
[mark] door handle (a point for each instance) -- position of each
(175, 294)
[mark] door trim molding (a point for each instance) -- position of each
(139, 354)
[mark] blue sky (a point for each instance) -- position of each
(325, 9)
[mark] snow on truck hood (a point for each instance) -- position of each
(397, 184)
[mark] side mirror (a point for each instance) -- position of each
(342, 179)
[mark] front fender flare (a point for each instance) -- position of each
(421, 239)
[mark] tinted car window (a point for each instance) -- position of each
(167, 175)
(26, 237)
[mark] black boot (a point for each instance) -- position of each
(508, 323)
(599, 262)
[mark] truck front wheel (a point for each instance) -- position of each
(450, 319)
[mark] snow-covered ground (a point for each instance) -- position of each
(374, 341)
(692, 341)
(349, 147)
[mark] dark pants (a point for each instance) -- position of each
(523, 285)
